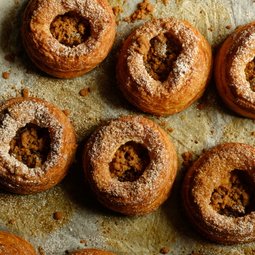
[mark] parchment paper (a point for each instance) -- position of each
(85, 223)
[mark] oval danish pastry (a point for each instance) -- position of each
(218, 193)
(12, 244)
(92, 252)
(164, 66)
(68, 38)
(130, 164)
(235, 71)
(37, 147)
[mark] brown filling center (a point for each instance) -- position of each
(70, 29)
(129, 162)
(31, 145)
(163, 52)
(235, 197)
(250, 74)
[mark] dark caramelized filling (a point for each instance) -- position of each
(234, 198)
(250, 74)
(70, 29)
(129, 162)
(31, 145)
(162, 54)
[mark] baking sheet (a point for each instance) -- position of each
(85, 223)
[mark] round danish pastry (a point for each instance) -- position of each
(235, 71)
(68, 38)
(11, 244)
(218, 193)
(37, 146)
(164, 66)
(91, 252)
(130, 164)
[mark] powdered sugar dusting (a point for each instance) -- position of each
(106, 142)
(189, 43)
(92, 10)
(242, 52)
(20, 114)
(210, 171)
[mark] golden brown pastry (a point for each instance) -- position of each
(13, 245)
(67, 38)
(164, 66)
(37, 145)
(130, 164)
(235, 71)
(91, 252)
(218, 193)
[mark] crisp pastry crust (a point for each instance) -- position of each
(60, 60)
(230, 65)
(187, 77)
(11, 244)
(218, 208)
(145, 193)
(91, 252)
(17, 176)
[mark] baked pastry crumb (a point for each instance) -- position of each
(25, 92)
(41, 250)
(165, 2)
(58, 215)
(6, 75)
(164, 250)
(84, 92)
(187, 158)
(144, 9)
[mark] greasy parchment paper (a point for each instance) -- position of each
(205, 124)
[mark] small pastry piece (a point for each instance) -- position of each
(11, 244)
(91, 252)
(68, 38)
(37, 145)
(131, 165)
(164, 66)
(218, 193)
(235, 71)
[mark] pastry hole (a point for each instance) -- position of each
(250, 74)
(235, 197)
(70, 29)
(31, 145)
(129, 162)
(162, 52)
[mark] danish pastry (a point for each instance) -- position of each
(91, 252)
(37, 145)
(235, 71)
(218, 193)
(68, 38)
(164, 66)
(130, 164)
(11, 244)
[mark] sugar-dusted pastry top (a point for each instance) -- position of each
(38, 145)
(218, 193)
(130, 164)
(164, 66)
(68, 38)
(235, 72)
